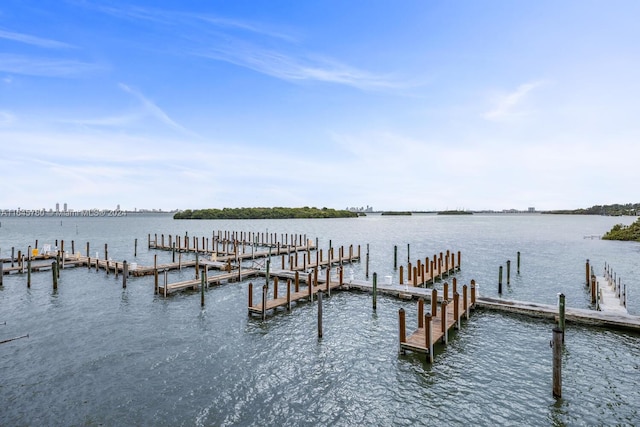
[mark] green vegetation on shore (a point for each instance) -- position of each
(608, 210)
(624, 232)
(264, 213)
(391, 213)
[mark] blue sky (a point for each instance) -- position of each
(414, 105)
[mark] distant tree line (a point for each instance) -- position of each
(624, 232)
(401, 213)
(608, 210)
(264, 213)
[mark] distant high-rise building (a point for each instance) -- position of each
(65, 207)
(57, 207)
(118, 207)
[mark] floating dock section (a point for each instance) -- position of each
(434, 326)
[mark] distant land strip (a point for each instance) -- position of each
(396, 213)
(455, 212)
(609, 210)
(264, 213)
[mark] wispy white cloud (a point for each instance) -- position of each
(189, 20)
(46, 67)
(506, 105)
(155, 111)
(297, 68)
(224, 39)
(33, 40)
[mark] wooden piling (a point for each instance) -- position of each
(135, 247)
(473, 292)
(125, 273)
(401, 275)
(402, 329)
(202, 282)
(28, 271)
(420, 312)
(297, 281)
(320, 314)
(166, 281)
(375, 290)
(1, 272)
(275, 287)
(367, 263)
(561, 314)
(434, 302)
(264, 302)
(456, 309)
(288, 294)
(443, 314)
(87, 249)
(500, 281)
(250, 297)
(587, 273)
(106, 252)
(508, 272)
(428, 336)
(557, 363)
(465, 303)
(519, 263)
(54, 274)
(328, 280)
(395, 257)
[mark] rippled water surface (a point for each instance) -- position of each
(98, 354)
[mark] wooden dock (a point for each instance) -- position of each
(429, 271)
(572, 315)
(292, 293)
(611, 298)
(194, 284)
(434, 327)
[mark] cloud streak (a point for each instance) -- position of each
(46, 67)
(219, 40)
(156, 111)
(507, 105)
(300, 68)
(33, 40)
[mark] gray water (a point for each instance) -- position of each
(98, 354)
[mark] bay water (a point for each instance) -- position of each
(98, 354)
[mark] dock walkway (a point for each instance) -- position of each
(194, 284)
(610, 298)
(434, 326)
(574, 315)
